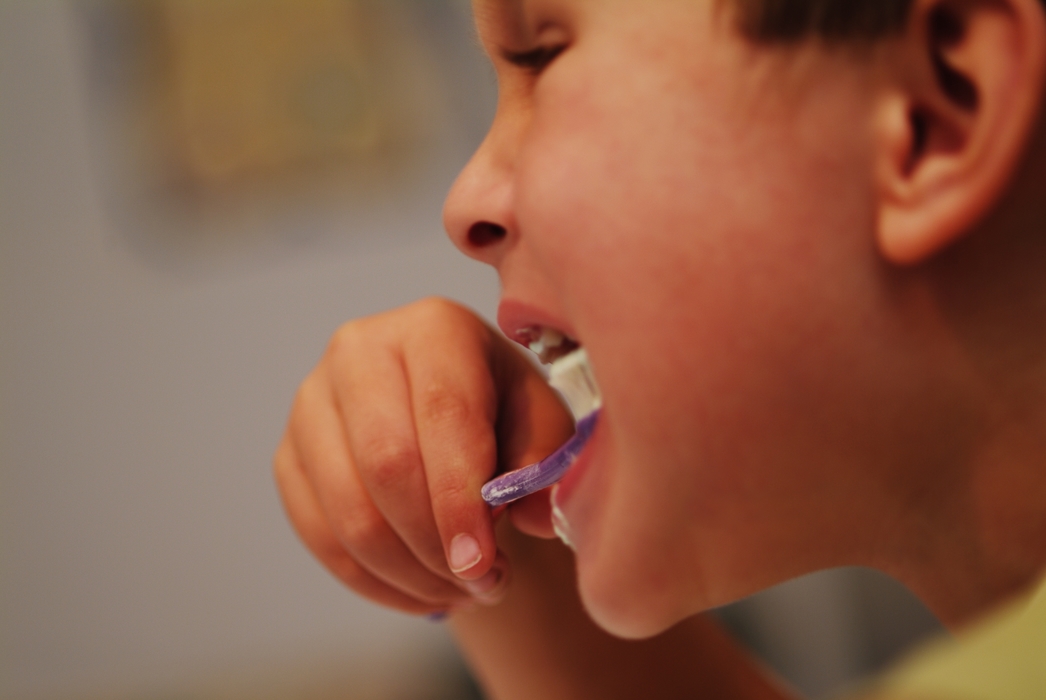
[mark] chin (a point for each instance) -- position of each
(621, 611)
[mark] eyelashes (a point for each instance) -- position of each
(535, 60)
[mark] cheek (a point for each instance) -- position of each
(697, 247)
(703, 260)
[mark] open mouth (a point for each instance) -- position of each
(569, 370)
(547, 343)
(571, 375)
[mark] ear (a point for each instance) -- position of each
(962, 97)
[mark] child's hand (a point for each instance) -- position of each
(388, 443)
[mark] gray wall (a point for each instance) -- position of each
(142, 539)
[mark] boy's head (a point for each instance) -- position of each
(784, 231)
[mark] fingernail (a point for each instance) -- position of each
(464, 552)
(486, 588)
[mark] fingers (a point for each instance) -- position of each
(423, 440)
(389, 442)
(490, 588)
(310, 522)
(454, 405)
(318, 444)
(384, 447)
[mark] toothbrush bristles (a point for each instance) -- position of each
(572, 376)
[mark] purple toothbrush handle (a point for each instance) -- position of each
(514, 485)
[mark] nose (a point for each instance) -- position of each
(478, 212)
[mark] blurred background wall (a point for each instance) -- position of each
(193, 196)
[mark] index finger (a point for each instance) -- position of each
(454, 400)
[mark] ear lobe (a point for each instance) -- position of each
(961, 102)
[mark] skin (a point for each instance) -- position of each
(809, 282)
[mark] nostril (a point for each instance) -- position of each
(484, 233)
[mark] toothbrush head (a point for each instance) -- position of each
(571, 375)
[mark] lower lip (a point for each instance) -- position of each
(572, 480)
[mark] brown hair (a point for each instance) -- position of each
(832, 20)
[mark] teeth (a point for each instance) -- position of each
(548, 343)
(559, 521)
(549, 338)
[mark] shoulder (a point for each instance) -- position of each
(1002, 657)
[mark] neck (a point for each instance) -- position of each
(991, 545)
(986, 538)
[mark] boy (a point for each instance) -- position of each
(803, 245)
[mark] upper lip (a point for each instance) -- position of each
(517, 318)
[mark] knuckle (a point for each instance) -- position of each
(281, 465)
(308, 401)
(438, 311)
(345, 340)
(340, 563)
(346, 569)
(359, 529)
(441, 406)
(455, 491)
(318, 538)
(355, 579)
(387, 462)
(450, 489)
(435, 307)
(308, 393)
(323, 543)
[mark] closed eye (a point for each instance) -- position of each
(534, 60)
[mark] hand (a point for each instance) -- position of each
(389, 440)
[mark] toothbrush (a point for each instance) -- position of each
(572, 376)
